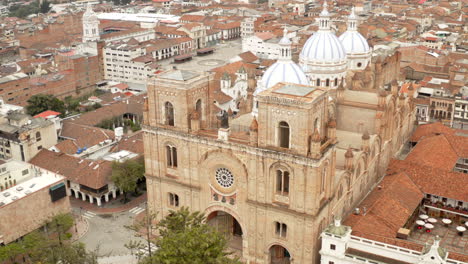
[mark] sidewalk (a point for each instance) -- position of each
(119, 207)
(81, 226)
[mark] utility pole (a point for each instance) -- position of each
(148, 230)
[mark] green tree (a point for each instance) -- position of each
(71, 104)
(126, 175)
(44, 7)
(145, 225)
(48, 247)
(41, 102)
(185, 238)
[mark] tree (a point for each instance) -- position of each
(146, 225)
(125, 175)
(185, 238)
(44, 7)
(48, 247)
(41, 102)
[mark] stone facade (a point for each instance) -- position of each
(312, 153)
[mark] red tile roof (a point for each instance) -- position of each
(93, 174)
(388, 208)
(47, 113)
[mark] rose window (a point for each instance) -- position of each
(224, 177)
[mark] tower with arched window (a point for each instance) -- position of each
(90, 25)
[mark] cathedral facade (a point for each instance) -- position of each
(272, 178)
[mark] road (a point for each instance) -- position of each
(107, 232)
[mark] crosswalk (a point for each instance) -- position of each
(145, 252)
(136, 210)
(89, 215)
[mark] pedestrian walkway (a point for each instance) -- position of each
(145, 250)
(89, 215)
(136, 210)
(77, 203)
(123, 259)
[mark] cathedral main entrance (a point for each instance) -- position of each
(279, 255)
(227, 225)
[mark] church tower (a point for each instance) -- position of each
(90, 25)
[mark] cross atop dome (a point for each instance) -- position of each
(325, 9)
(324, 19)
(352, 21)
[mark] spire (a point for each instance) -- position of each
(324, 19)
(89, 10)
(352, 21)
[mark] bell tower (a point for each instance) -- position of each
(90, 25)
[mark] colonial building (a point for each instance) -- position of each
(22, 136)
(271, 176)
(31, 194)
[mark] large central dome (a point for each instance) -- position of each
(323, 46)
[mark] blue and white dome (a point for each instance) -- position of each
(283, 71)
(323, 46)
(354, 42)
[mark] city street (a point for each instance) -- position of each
(108, 234)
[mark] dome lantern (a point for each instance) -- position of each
(324, 19)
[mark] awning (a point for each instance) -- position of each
(182, 57)
(205, 50)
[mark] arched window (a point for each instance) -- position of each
(358, 171)
(38, 136)
(318, 81)
(336, 81)
(340, 191)
(169, 114)
(171, 156)
(283, 134)
(327, 82)
(323, 178)
(281, 229)
(282, 182)
(173, 200)
(198, 107)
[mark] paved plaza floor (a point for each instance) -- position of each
(222, 54)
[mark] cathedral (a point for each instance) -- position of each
(285, 152)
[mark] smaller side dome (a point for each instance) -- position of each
(284, 72)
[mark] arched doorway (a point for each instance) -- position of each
(279, 255)
(227, 225)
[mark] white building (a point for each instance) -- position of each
(7, 108)
(247, 27)
(127, 62)
(264, 45)
(340, 247)
(460, 116)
